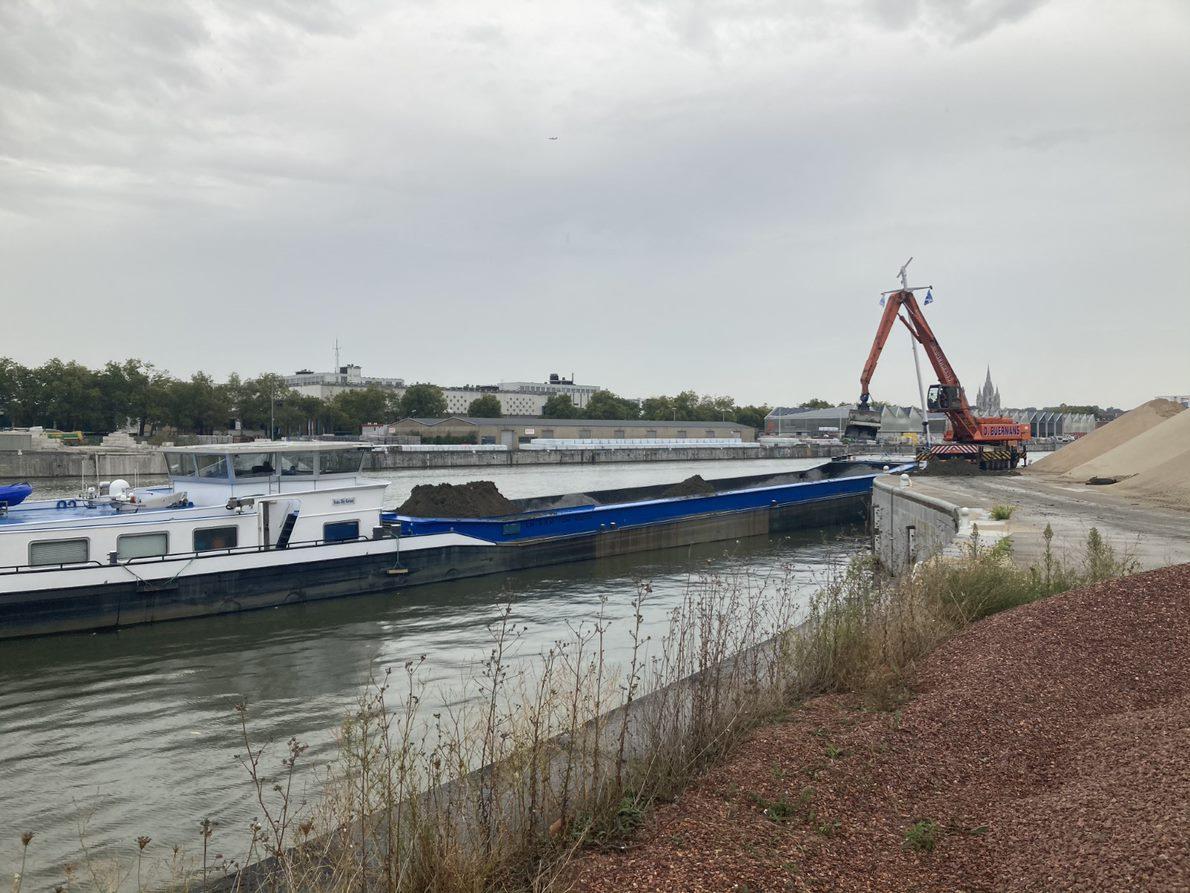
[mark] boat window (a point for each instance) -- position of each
(211, 465)
(211, 539)
(252, 465)
(339, 461)
(338, 531)
(181, 465)
(142, 545)
(59, 552)
(296, 463)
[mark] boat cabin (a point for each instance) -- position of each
(228, 498)
(212, 474)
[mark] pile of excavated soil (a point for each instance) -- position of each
(1159, 445)
(1110, 436)
(1044, 749)
(477, 499)
(692, 486)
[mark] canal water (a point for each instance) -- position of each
(129, 733)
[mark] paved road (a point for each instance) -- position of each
(1157, 536)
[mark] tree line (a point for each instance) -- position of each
(72, 397)
(686, 406)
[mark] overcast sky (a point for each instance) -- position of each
(731, 186)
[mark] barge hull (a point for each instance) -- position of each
(114, 605)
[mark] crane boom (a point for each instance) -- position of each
(957, 409)
(970, 436)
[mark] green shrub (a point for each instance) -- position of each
(923, 836)
(1002, 512)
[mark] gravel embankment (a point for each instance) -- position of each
(1049, 744)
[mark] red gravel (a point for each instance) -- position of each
(1051, 744)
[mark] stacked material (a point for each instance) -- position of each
(1110, 436)
(1146, 456)
(692, 486)
(477, 499)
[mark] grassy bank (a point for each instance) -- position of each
(546, 757)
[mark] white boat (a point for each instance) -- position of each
(239, 526)
(262, 524)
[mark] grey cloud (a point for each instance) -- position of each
(732, 186)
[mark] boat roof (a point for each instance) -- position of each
(272, 446)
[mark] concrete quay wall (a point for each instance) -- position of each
(479, 458)
(909, 526)
(73, 463)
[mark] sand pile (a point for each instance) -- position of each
(477, 499)
(692, 486)
(1158, 445)
(1110, 436)
(1168, 482)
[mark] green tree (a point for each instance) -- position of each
(815, 403)
(485, 407)
(560, 406)
(69, 396)
(423, 401)
(658, 409)
(606, 405)
(358, 406)
(198, 405)
(752, 415)
(12, 376)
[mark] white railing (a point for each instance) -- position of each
(446, 447)
(622, 443)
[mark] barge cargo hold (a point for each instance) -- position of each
(260, 525)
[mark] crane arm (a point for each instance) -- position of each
(962, 420)
(891, 307)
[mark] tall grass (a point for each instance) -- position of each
(866, 632)
(542, 758)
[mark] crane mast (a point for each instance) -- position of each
(968, 434)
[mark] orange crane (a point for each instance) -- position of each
(992, 443)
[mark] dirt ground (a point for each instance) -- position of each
(1044, 749)
(1157, 535)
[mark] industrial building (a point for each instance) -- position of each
(579, 394)
(515, 430)
(897, 423)
(325, 385)
(512, 403)
(1050, 423)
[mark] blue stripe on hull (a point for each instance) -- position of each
(593, 519)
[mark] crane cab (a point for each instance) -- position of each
(943, 397)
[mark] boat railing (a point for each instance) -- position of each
(181, 556)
